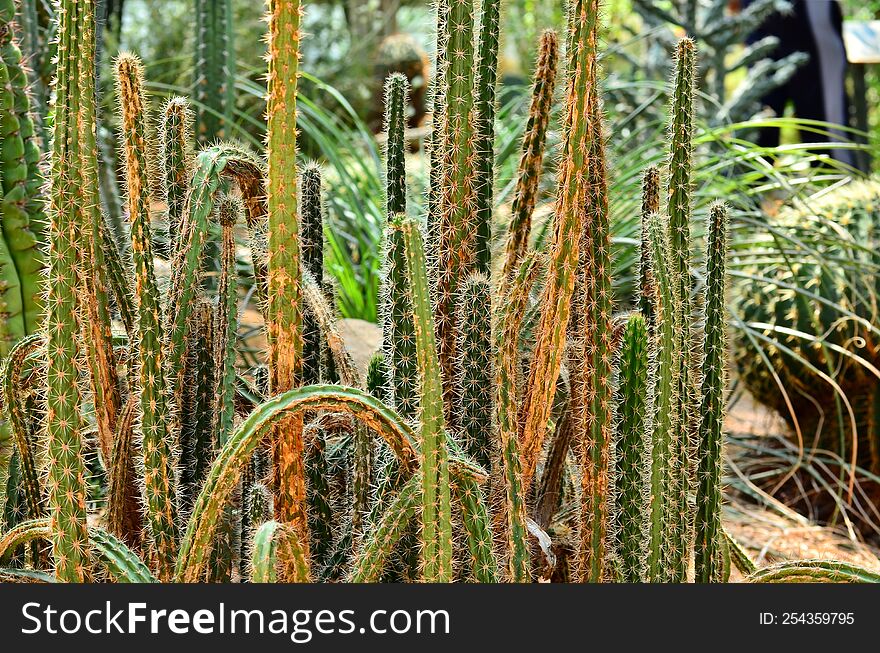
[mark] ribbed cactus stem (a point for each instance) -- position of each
(513, 304)
(124, 518)
(175, 137)
(679, 210)
(15, 413)
(665, 372)
(159, 490)
(436, 510)
(16, 224)
(396, 89)
(226, 322)
(487, 77)
(632, 450)
(474, 375)
(211, 74)
(650, 206)
(569, 223)
(312, 237)
(591, 350)
(66, 477)
(457, 228)
(709, 536)
(532, 158)
(284, 282)
(198, 403)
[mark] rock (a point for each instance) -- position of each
(362, 340)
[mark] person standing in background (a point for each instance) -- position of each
(818, 88)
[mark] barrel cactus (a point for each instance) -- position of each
(809, 379)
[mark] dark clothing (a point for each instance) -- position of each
(818, 88)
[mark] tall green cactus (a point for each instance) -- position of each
(679, 210)
(457, 228)
(650, 206)
(159, 482)
(709, 537)
(484, 141)
(66, 479)
(590, 357)
(396, 312)
(436, 510)
(213, 74)
(632, 450)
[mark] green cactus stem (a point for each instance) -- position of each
(532, 158)
(484, 140)
(679, 210)
(175, 137)
(632, 450)
(709, 537)
(312, 238)
(66, 477)
(159, 482)
(226, 321)
(507, 328)
(474, 375)
(457, 227)
(650, 206)
(212, 76)
(814, 571)
(436, 510)
(274, 541)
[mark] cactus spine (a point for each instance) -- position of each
(159, 490)
(709, 537)
(632, 449)
(284, 282)
(532, 158)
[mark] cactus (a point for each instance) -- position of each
(474, 398)
(214, 75)
(159, 486)
(569, 223)
(124, 518)
(175, 136)
(507, 328)
(284, 290)
(436, 510)
(484, 139)
(708, 519)
(770, 303)
(650, 206)
(632, 449)
(532, 159)
(312, 238)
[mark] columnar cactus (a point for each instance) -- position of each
(66, 479)
(532, 158)
(570, 220)
(708, 519)
(632, 449)
(474, 400)
(213, 76)
(159, 485)
(312, 237)
(175, 137)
